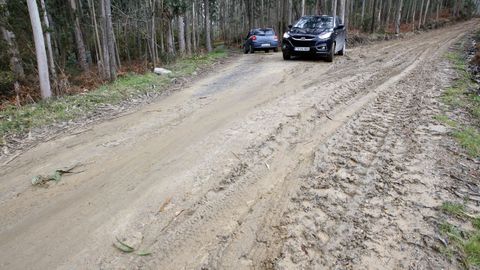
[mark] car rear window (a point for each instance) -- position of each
(266, 32)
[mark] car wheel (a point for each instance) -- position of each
(252, 49)
(245, 49)
(275, 50)
(286, 56)
(331, 54)
(342, 51)
(266, 51)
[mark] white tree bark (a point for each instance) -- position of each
(194, 29)
(170, 41)
(208, 40)
(188, 33)
(413, 16)
(98, 44)
(342, 11)
(40, 51)
(420, 15)
(48, 41)
(153, 32)
(181, 35)
(426, 12)
(363, 10)
(399, 17)
(110, 40)
(290, 11)
(334, 8)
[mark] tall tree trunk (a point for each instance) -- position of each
(208, 40)
(81, 52)
(414, 3)
(399, 17)
(303, 7)
(111, 40)
(426, 12)
(194, 29)
(389, 11)
(105, 53)
(98, 44)
(153, 34)
(181, 35)
(318, 7)
(48, 40)
(108, 42)
(118, 64)
(342, 10)
(188, 34)
(420, 15)
(41, 54)
(363, 11)
(372, 28)
(334, 8)
(379, 16)
(290, 11)
(170, 41)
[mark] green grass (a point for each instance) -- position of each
(23, 119)
(472, 249)
(469, 139)
(458, 96)
(464, 243)
(445, 120)
(451, 208)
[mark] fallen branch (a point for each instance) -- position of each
(40, 180)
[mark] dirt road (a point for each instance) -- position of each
(265, 164)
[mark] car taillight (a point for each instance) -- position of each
(254, 37)
(275, 38)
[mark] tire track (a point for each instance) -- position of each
(364, 204)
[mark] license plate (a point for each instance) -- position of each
(265, 45)
(302, 49)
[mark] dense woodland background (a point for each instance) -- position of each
(49, 47)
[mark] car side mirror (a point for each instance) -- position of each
(290, 26)
(339, 27)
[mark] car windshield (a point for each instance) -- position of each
(314, 23)
(264, 32)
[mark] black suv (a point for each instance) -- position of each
(315, 35)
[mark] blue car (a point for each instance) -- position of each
(261, 39)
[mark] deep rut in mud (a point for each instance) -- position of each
(288, 165)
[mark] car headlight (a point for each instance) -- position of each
(286, 35)
(326, 35)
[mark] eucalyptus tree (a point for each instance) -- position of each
(40, 51)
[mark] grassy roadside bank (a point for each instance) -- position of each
(63, 109)
(459, 229)
(463, 104)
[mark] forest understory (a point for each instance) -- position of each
(370, 162)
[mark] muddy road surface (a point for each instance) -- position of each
(263, 164)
